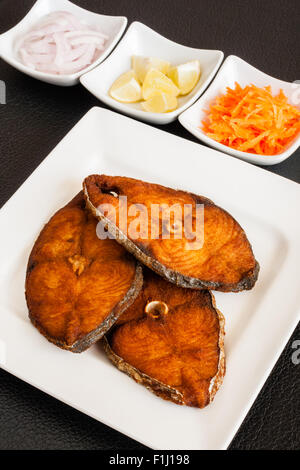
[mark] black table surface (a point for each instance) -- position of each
(36, 117)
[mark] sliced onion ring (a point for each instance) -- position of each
(61, 44)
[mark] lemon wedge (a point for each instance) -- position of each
(186, 76)
(160, 103)
(141, 65)
(156, 82)
(126, 88)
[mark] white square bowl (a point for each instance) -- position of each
(113, 26)
(234, 70)
(142, 40)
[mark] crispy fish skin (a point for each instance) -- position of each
(76, 284)
(177, 354)
(225, 262)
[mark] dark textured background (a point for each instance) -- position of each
(36, 117)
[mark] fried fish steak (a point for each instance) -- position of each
(171, 340)
(77, 285)
(222, 260)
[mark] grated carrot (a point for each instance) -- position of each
(252, 120)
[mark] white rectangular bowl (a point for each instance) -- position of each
(238, 70)
(142, 40)
(258, 322)
(112, 26)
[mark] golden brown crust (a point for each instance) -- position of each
(217, 380)
(176, 351)
(158, 388)
(225, 262)
(76, 284)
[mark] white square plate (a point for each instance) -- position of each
(234, 70)
(258, 322)
(113, 26)
(141, 40)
